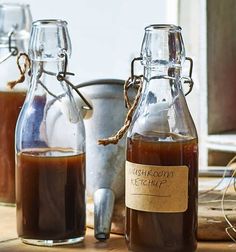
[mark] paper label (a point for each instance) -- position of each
(154, 188)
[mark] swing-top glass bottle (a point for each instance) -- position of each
(50, 145)
(162, 152)
(15, 24)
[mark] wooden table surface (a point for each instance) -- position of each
(10, 242)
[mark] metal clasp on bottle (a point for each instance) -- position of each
(187, 79)
(61, 76)
(13, 50)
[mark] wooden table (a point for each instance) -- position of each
(10, 242)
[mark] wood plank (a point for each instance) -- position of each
(223, 142)
(115, 244)
(7, 223)
(219, 158)
(216, 247)
(211, 222)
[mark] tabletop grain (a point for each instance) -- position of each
(10, 243)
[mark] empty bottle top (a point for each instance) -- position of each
(15, 18)
(49, 40)
(163, 45)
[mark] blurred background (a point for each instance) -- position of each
(107, 35)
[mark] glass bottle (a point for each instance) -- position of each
(15, 23)
(162, 152)
(50, 145)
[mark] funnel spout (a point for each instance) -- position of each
(104, 199)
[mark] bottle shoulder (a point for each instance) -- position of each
(172, 120)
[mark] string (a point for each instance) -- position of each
(231, 227)
(60, 77)
(138, 82)
(26, 65)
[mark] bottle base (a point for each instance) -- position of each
(51, 243)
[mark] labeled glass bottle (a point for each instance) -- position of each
(50, 145)
(15, 23)
(162, 152)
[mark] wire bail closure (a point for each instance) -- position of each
(136, 81)
(133, 81)
(13, 50)
(61, 76)
(132, 67)
(189, 80)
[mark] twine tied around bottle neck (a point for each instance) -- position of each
(61, 76)
(137, 82)
(22, 68)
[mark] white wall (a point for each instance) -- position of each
(105, 34)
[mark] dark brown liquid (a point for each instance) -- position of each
(164, 232)
(50, 195)
(10, 105)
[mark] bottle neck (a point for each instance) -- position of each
(162, 82)
(44, 77)
(160, 71)
(162, 107)
(50, 91)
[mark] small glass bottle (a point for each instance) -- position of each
(162, 152)
(50, 145)
(15, 23)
